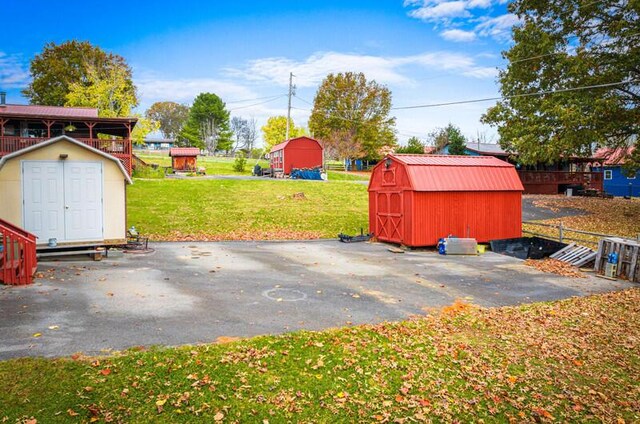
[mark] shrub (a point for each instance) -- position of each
(148, 172)
(240, 162)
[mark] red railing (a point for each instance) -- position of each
(18, 262)
(120, 148)
(590, 180)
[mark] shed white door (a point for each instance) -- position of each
(78, 205)
(43, 199)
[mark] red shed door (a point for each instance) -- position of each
(389, 216)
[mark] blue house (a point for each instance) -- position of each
(479, 149)
(616, 181)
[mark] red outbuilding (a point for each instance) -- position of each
(416, 199)
(300, 152)
(184, 158)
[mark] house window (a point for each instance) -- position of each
(608, 174)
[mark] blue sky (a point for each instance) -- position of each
(425, 51)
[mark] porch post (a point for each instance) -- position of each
(48, 124)
(90, 125)
(2, 147)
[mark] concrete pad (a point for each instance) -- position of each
(187, 293)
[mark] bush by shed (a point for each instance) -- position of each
(416, 199)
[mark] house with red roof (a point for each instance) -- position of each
(617, 181)
(63, 178)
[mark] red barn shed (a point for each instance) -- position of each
(416, 199)
(184, 158)
(300, 152)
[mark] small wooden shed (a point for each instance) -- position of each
(66, 190)
(184, 158)
(300, 152)
(415, 200)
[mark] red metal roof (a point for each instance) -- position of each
(49, 111)
(613, 157)
(184, 151)
(459, 173)
(282, 145)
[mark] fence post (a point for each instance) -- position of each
(561, 232)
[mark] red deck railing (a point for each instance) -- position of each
(118, 148)
(18, 262)
(589, 180)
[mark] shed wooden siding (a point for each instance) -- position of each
(300, 152)
(184, 163)
(415, 205)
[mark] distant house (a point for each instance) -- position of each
(157, 144)
(573, 172)
(616, 180)
(478, 149)
(63, 173)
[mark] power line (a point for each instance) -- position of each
(252, 100)
(261, 103)
(538, 93)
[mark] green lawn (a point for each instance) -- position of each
(246, 209)
(347, 176)
(570, 361)
(213, 165)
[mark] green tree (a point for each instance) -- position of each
(414, 145)
(449, 136)
(59, 66)
(107, 91)
(208, 125)
(275, 131)
(142, 128)
(171, 117)
(347, 105)
(560, 46)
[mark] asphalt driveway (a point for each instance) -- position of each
(186, 293)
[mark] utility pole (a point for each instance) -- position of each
(292, 92)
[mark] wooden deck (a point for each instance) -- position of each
(554, 182)
(119, 148)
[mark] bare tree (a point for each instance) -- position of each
(210, 133)
(245, 133)
(343, 144)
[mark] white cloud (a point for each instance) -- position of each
(458, 35)
(481, 4)
(387, 70)
(185, 90)
(452, 15)
(439, 11)
(498, 27)
(482, 72)
(13, 71)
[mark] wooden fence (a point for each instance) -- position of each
(564, 234)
